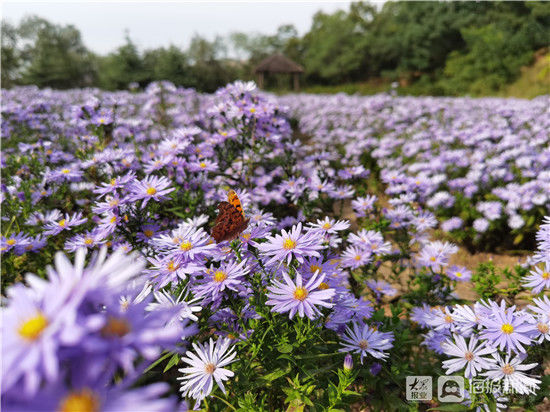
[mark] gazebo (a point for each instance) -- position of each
(277, 63)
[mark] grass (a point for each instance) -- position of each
(533, 81)
(372, 86)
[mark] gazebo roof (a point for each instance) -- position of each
(277, 63)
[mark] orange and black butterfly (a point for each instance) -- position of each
(230, 221)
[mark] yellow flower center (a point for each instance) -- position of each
(357, 257)
(300, 293)
(62, 222)
(327, 226)
(115, 328)
(88, 241)
(289, 244)
(507, 328)
(448, 319)
(543, 328)
(323, 286)
(202, 165)
(80, 401)
(171, 267)
(209, 368)
(151, 191)
(11, 242)
(113, 203)
(315, 268)
(33, 327)
(546, 275)
(246, 236)
(65, 171)
(458, 274)
(113, 182)
(469, 356)
(432, 258)
(113, 219)
(252, 110)
(220, 276)
(363, 344)
(507, 369)
(186, 245)
(148, 232)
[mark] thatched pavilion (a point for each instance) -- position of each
(277, 64)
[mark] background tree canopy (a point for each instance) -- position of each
(439, 47)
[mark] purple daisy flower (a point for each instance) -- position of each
(291, 244)
(331, 226)
(469, 355)
(296, 297)
(229, 275)
(381, 287)
(364, 340)
(459, 273)
(53, 228)
(185, 243)
(512, 373)
(152, 187)
(205, 367)
(507, 328)
(539, 279)
(361, 205)
(18, 242)
(97, 395)
(541, 306)
(354, 257)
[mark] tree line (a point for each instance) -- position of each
(446, 47)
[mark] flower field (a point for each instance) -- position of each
(135, 279)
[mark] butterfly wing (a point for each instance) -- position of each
(229, 223)
(235, 201)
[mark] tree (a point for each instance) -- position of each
(54, 55)
(207, 57)
(492, 59)
(11, 56)
(170, 64)
(122, 67)
(330, 48)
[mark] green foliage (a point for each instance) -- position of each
(435, 48)
(491, 283)
(330, 53)
(122, 67)
(54, 55)
(11, 55)
(491, 61)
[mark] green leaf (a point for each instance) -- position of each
(378, 316)
(270, 377)
(172, 362)
(518, 239)
(284, 348)
(159, 360)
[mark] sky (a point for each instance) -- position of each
(154, 24)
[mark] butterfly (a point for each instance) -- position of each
(230, 221)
